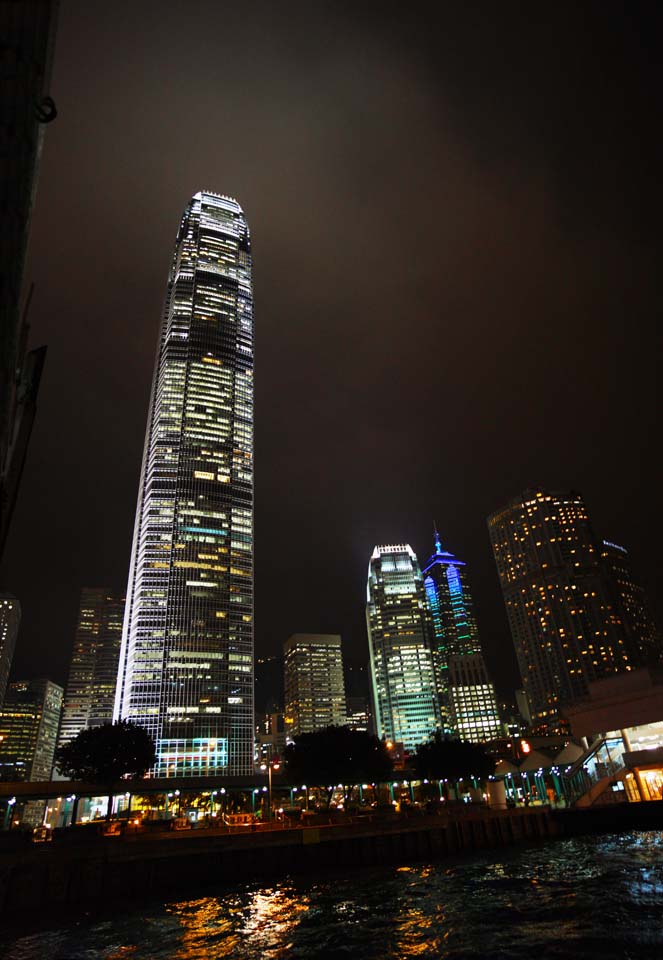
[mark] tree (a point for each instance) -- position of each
(442, 758)
(337, 755)
(105, 754)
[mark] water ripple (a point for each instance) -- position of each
(587, 897)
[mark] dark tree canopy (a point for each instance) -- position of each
(337, 755)
(442, 758)
(104, 754)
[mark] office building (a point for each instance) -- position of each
(270, 737)
(636, 612)
(566, 624)
(405, 702)
(313, 683)
(359, 715)
(468, 706)
(522, 706)
(186, 663)
(90, 692)
(474, 710)
(29, 721)
(10, 618)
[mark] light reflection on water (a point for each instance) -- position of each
(589, 897)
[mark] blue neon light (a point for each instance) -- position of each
(220, 533)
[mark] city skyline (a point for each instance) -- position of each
(510, 307)
(436, 235)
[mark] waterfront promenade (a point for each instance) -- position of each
(81, 867)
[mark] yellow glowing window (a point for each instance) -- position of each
(202, 475)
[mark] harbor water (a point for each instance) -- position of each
(587, 897)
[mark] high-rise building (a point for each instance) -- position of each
(90, 692)
(405, 702)
(10, 618)
(313, 682)
(635, 607)
(359, 714)
(474, 710)
(186, 664)
(522, 705)
(270, 736)
(566, 626)
(29, 721)
(468, 705)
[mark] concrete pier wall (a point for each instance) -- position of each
(79, 871)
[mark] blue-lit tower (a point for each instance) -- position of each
(468, 707)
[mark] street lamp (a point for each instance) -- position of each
(272, 765)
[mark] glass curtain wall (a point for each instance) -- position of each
(186, 666)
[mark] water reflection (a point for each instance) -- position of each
(420, 928)
(273, 917)
(259, 924)
(599, 897)
(204, 928)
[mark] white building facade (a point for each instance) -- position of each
(405, 704)
(186, 663)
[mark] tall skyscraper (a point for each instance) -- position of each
(186, 665)
(566, 626)
(405, 703)
(635, 607)
(468, 705)
(90, 692)
(29, 721)
(10, 618)
(313, 682)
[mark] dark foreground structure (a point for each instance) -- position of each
(83, 869)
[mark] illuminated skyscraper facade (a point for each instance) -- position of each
(10, 618)
(567, 625)
(29, 721)
(468, 706)
(313, 683)
(186, 665)
(637, 615)
(405, 703)
(90, 692)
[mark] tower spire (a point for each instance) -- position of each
(438, 545)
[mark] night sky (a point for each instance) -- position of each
(456, 233)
